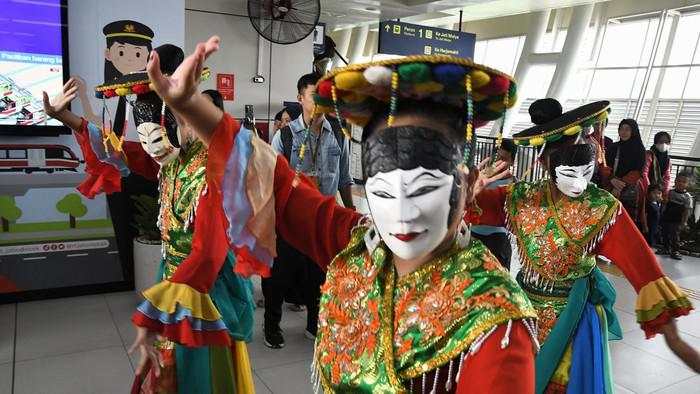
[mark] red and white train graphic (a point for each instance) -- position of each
(37, 157)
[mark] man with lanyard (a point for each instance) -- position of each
(327, 164)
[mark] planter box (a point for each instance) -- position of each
(147, 256)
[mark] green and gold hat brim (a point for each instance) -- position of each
(137, 83)
(567, 124)
(357, 91)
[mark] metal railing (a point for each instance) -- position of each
(527, 158)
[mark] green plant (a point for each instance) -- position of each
(146, 218)
(8, 212)
(72, 205)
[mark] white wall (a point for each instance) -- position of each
(239, 55)
(86, 18)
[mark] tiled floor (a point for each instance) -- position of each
(78, 345)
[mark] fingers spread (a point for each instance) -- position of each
(154, 73)
(483, 163)
(47, 104)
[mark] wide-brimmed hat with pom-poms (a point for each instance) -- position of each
(551, 124)
(355, 93)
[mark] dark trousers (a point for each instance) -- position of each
(671, 234)
(292, 270)
(653, 233)
(499, 245)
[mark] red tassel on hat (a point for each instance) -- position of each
(497, 86)
(325, 89)
(140, 88)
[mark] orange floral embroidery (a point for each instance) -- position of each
(495, 298)
(346, 318)
(547, 319)
(556, 260)
(490, 263)
(577, 217)
(431, 313)
(532, 217)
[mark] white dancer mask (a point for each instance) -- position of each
(154, 140)
(410, 209)
(573, 180)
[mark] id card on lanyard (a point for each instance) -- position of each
(312, 174)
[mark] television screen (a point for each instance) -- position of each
(33, 58)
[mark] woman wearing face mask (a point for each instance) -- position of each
(626, 158)
(201, 304)
(409, 304)
(657, 167)
(656, 171)
(560, 224)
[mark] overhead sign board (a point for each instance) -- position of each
(398, 38)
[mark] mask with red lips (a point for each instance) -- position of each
(412, 187)
(572, 167)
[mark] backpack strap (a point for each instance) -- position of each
(286, 136)
(337, 131)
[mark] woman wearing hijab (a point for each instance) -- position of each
(657, 166)
(627, 157)
(656, 172)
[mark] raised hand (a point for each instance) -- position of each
(149, 355)
(60, 102)
(489, 174)
(178, 89)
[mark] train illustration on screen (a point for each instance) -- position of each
(37, 158)
(18, 106)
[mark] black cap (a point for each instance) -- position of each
(128, 28)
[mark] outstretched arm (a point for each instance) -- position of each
(180, 90)
(57, 108)
(659, 299)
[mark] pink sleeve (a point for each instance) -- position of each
(667, 181)
(645, 172)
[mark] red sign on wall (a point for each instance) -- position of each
(224, 84)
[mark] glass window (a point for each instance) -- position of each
(500, 53)
(3, 154)
(625, 44)
(685, 40)
(673, 82)
(692, 89)
(17, 154)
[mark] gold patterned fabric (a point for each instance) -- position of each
(377, 332)
(181, 183)
(555, 242)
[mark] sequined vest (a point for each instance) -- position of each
(377, 333)
(555, 242)
(181, 184)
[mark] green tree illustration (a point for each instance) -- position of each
(8, 212)
(72, 205)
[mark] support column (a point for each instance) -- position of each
(580, 19)
(538, 26)
(357, 45)
(342, 43)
